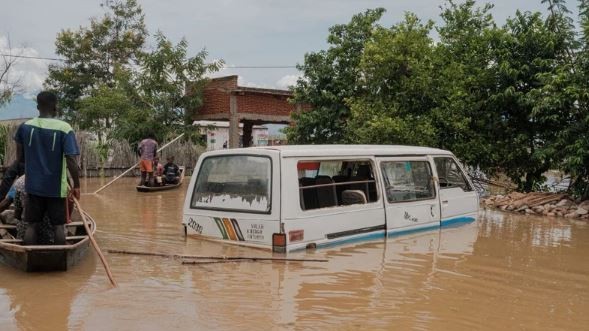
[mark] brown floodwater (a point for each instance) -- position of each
(504, 271)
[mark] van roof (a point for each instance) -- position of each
(352, 150)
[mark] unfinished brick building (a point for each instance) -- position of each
(224, 100)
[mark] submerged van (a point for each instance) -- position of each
(286, 198)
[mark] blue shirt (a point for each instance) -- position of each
(11, 193)
(46, 142)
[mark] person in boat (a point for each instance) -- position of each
(147, 151)
(16, 196)
(15, 170)
(44, 144)
(7, 215)
(14, 217)
(171, 171)
(158, 172)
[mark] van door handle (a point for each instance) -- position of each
(445, 202)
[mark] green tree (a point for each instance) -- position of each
(567, 93)
(398, 82)
(464, 78)
(96, 55)
(166, 85)
(329, 78)
(104, 110)
(494, 110)
(534, 48)
(111, 85)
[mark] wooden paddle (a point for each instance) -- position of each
(93, 241)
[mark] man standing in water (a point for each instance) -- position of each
(44, 144)
(147, 151)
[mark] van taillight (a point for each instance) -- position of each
(279, 243)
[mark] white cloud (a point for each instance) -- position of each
(28, 74)
(287, 81)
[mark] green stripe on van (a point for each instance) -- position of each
(221, 227)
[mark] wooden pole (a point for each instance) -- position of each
(135, 166)
(227, 258)
(246, 258)
(215, 261)
(94, 243)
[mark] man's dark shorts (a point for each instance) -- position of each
(37, 206)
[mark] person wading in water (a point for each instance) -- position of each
(44, 144)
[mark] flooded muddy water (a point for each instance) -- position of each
(502, 272)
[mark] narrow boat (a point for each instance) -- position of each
(286, 198)
(48, 257)
(143, 188)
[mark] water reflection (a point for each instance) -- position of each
(505, 271)
(41, 301)
(538, 232)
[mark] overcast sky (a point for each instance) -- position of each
(242, 32)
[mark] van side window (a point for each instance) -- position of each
(450, 175)
(332, 183)
(407, 180)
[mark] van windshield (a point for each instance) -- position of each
(234, 182)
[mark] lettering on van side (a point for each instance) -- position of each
(410, 217)
(195, 226)
(255, 232)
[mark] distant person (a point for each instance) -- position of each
(171, 171)
(225, 145)
(158, 170)
(147, 152)
(46, 143)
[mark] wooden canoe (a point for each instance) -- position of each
(47, 257)
(143, 188)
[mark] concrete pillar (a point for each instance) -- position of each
(247, 133)
(233, 123)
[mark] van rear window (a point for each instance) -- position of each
(234, 182)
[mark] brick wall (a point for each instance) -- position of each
(266, 104)
(215, 101)
(217, 96)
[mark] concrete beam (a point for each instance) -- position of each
(258, 118)
(233, 123)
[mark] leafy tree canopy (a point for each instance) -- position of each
(509, 98)
(113, 84)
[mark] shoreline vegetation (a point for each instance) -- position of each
(540, 204)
